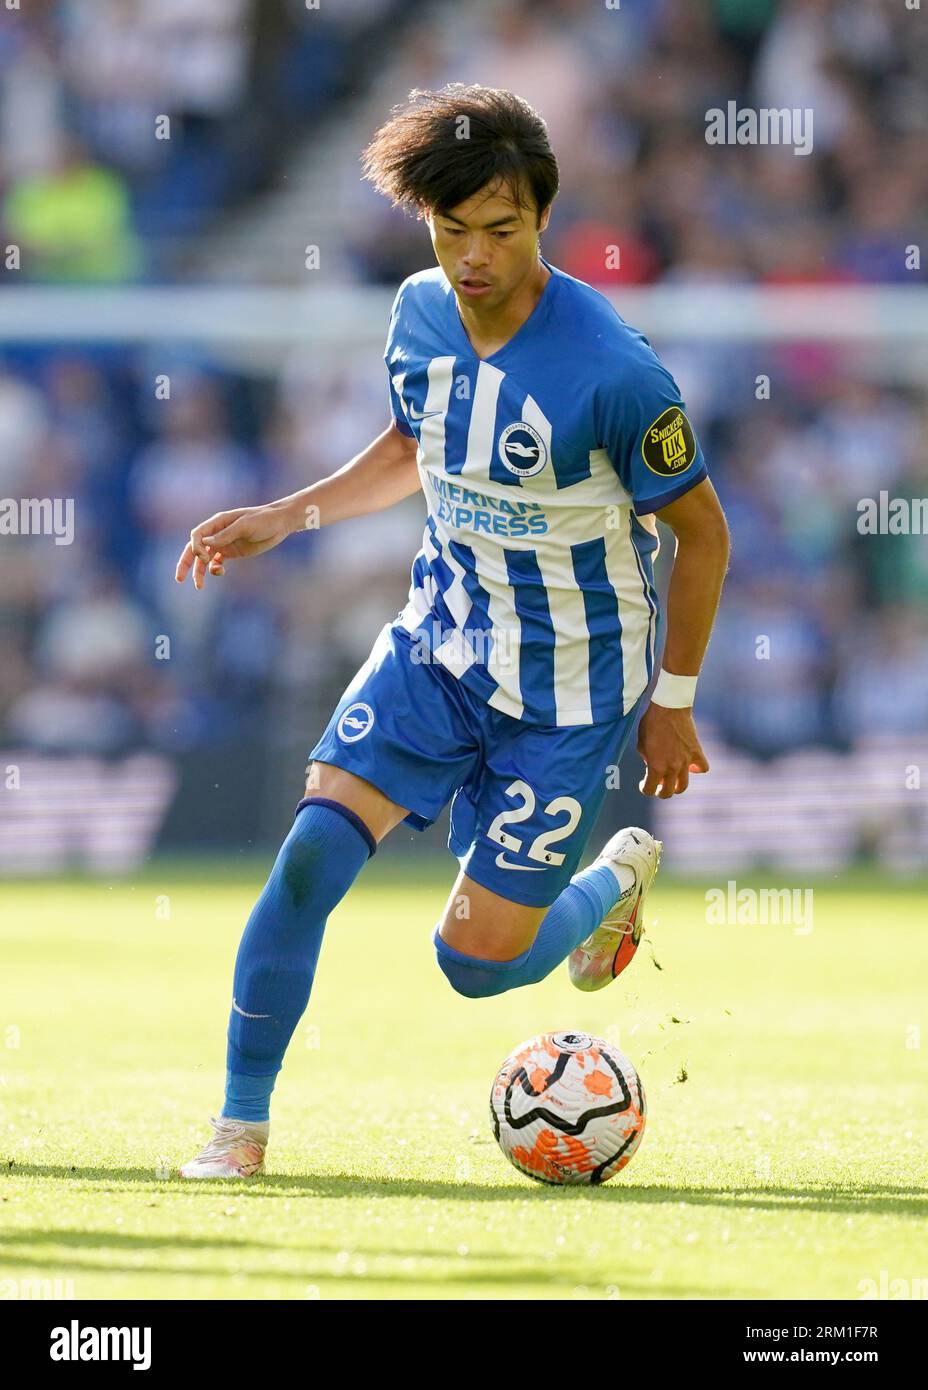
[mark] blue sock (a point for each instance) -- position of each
(317, 864)
(573, 915)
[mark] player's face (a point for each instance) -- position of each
(487, 246)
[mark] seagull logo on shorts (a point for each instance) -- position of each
(522, 450)
(357, 720)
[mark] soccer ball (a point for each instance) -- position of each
(568, 1108)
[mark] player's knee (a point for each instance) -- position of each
(471, 982)
(474, 978)
(306, 864)
(301, 851)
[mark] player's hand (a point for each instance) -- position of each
(668, 744)
(235, 535)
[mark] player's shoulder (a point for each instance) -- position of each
(423, 287)
(612, 348)
(419, 306)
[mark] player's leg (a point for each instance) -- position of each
(597, 921)
(518, 908)
(506, 944)
(337, 827)
(378, 762)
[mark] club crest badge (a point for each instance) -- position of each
(522, 450)
(357, 720)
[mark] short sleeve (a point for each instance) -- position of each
(396, 409)
(644, 427)
(396, 404)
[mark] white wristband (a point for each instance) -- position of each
(674, 692)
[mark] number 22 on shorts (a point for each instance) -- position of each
(539, 849)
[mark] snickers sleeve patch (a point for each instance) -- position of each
(669, 444)
(648, 436)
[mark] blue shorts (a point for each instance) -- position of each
(525, 796)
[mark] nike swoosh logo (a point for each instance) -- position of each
(237, 1010)
(426, 414)
(503, 863)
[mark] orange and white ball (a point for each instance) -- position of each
(568, 1108)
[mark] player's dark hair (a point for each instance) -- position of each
(440, 148)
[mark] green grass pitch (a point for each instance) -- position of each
(790, 1161)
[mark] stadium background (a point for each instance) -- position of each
(137, 717)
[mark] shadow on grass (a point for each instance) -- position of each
(507, 1269)
(873, 1198)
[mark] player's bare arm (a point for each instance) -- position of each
(380, 476)
(667, 738)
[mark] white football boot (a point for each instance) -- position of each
(610, 948)
(236, 1150)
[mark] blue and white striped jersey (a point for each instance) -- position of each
(540, 465)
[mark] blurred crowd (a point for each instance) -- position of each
(103, 651)
(823, 636)
(625, 91)
(128, 128)
(91, 189)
